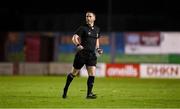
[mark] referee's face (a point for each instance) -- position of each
(90, 18)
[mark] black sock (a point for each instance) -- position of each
(90, 83)
(68, 81)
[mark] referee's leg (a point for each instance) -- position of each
(90, 82)
(77, 65)
(69, 79)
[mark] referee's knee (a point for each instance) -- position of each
(75, 72)
(91, 70)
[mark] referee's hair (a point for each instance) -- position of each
(89, 11)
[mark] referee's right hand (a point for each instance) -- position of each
(79, 47)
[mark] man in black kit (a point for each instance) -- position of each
(86, 39)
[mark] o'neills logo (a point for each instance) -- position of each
(127, 70)
(163, 70)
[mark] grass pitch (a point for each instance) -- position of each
(46, 91)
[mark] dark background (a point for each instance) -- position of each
(112, 15)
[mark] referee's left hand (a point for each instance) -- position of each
(99, 50)
(79, 47)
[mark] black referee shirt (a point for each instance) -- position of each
(88, 36)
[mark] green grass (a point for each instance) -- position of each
(124, 58)
(66, 57)
(45, 92)
(69, 57)
(19, 56)
(121, 58)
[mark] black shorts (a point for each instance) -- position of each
(84, 57)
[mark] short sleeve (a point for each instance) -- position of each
(79, 31)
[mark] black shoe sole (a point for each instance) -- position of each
(64, 93)
(64, 96)
(91, 97)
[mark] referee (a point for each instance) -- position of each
(86, 40)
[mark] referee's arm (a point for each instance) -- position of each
(76, 39)
(99, 50)
(97, 43)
